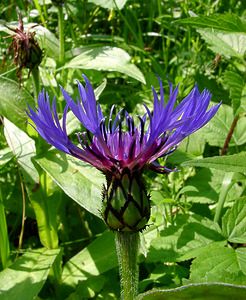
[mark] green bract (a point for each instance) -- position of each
(126, 204)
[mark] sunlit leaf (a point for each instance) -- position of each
(235, 83)
(45, 208)
(224, 265)
(229, 163)
(177, 242)
(48, 41)
(110, 4)
(95, 259)
(105, 59)
(78, 180)
(234, 222)
(25, 278)
(216, 131)
(228, 44)
(23, 147)
(6, 155)
(13, 102)
(207, 183)
(224, 22)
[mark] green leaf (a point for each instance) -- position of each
(25, 278)
(23, 148)
(207, 184)
(193, 144)
(4, 237)
(206, 187)
(229, 163)
(44, 206)
(47, 40)
(224, 22)
(109, 4)
(197, 291)
(88, 289)
(216, 131)
(107, 59)
(13, 102)
(234, 222)
(190, 148)
(235, 83)
(220, 265)
(196, 252)
(179, 156)
(77, 179)
(226, 184)
(6, 155)
(45, 201)
(164, 275)
(95, 259)
(177, 242)
(228, 44)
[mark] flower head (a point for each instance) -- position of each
(115, 144)
(27, 53)
(121, 147)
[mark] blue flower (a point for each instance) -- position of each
(106, 145)
(122, 148)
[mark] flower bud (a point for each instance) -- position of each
(126, 204)
(27, 53)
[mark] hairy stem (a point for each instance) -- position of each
(127, 247)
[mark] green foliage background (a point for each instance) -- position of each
(53, 242)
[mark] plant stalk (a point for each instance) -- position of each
(4, 245)
(127, 248)
(229, 135)
(36, 83)
(61, 34)
(226, 185)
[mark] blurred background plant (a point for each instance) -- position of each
(121, 46)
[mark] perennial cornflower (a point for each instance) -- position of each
(121, 146)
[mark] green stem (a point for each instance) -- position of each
(4, 245)
(226, 185)
(127, 247)
(36, 83)
(61, 34)
(137, 38)
(39, 9)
